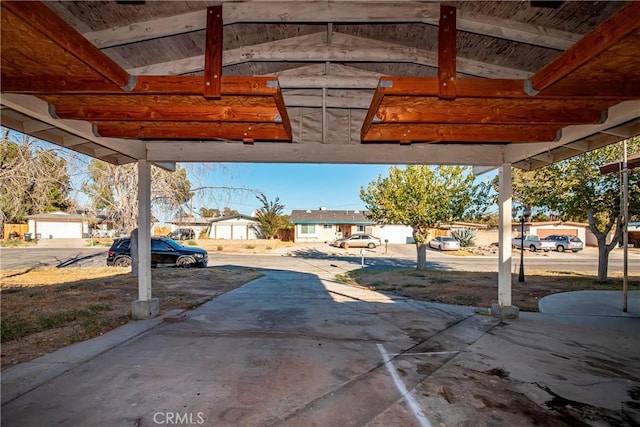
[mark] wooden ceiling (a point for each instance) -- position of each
(479, 83)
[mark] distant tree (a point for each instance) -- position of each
(270, 216)
(209, 212)
(574, 190)
(33, 179)
(227, 211)
(113, 191)
(421, 197)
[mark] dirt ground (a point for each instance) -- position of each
(47, 309)
(477, 289)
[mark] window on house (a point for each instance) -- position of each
(327, 226)
(308, 229)
(361, 229)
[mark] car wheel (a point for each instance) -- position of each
(371, 245)
(186, 261)
(440, 247)
(123, 261)
(560, 248)
(574, 251)
(532, 248)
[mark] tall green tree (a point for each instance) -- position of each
(209, 212)
(574, 190)
(421, 197)
(270, 216)
(113, 190)
(33, 179)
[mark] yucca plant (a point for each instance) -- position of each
(466, 236)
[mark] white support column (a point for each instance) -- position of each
(504, 309)
(145, 307)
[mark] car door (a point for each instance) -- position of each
(354, 241)
(162, 253)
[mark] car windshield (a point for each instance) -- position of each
(448, 239)
(576, 239)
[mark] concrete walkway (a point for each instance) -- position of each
(61, 243)
(295, 349)
(591, 303)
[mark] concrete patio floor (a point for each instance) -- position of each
(295, 349)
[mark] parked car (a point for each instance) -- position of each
(444, 243)
(562, 242)
(533, 243)
(164, 252)
(182, 234)
(357, 241)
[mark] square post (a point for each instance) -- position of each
(144, 307)
(503, 309)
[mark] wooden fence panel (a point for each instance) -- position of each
(18, 229)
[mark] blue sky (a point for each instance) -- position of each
(299, 186)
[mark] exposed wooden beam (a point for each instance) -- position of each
(507, 88)
(42, 20)
(194, 130)
(607, 34)
(375, 52)
(456, 133)
(166, 85)
(525, 111)
(229, 111)
(39, 110)
(213, 53)
(618, 114)
(347, 12)
(31, 126)
(447, 52)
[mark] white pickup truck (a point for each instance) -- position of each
(533, 243)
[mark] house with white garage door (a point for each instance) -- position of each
(58, 225)
(547, 228)
(236, 227)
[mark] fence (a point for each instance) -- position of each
(15, 229)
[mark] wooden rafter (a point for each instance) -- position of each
(345, 48)
(161, 85)
(318, 12)
(213, 53)
(174, 108)
(409, 109)
(508, 88)
(193, 130)
(612, 31)
(45, 27)
(426, 132)
(447, 52)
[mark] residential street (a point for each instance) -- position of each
(314, 258)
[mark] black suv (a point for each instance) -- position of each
(182, 234)
(164, 252)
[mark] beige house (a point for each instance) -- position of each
(325, 225)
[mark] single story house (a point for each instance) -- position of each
(197, 224)
(235, 227)
(325, 225)
(58, 225)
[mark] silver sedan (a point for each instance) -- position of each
(444, 243)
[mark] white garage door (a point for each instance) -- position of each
(59, 230)
(223, 232)
(396, 234)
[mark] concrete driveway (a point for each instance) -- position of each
(299, 349)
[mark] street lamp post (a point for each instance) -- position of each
(525, 213)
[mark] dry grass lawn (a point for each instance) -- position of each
(477, 289)
(47, 309)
